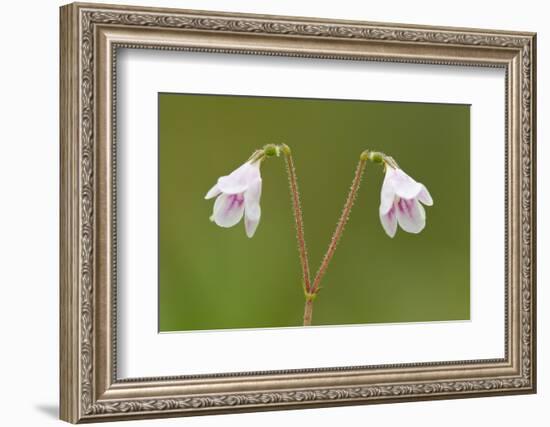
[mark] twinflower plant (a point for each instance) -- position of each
(400, 201)
(238, 194)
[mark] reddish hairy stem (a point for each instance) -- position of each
(308, 311)
(298, 220)
(340, 226)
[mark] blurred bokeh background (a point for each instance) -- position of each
(217, 278)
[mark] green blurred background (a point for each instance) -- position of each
(217, 278)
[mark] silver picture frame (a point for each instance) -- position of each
(90, 37)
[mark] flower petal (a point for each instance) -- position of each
(251, 223)
(252, 210)
(410, 215)
(422, 211)
(389, 221)
(425, 197)
(228, 209)
(236, 181)
(213, 192)
(252, 196)
(387, 194)
(403, 185)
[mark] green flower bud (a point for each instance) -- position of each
(376, 157)
(271, 150)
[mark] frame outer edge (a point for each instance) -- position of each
(533, 201)
(79, 403)
(69, 354)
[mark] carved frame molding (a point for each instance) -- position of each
(90, 36)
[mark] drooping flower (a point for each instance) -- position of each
(400, 202)
(238, 193)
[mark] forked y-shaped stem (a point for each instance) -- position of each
(311, 289)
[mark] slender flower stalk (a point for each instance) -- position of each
(298, 218)
(341, 224)
(314, 289)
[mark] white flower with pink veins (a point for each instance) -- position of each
(238, 194)
(400, 202)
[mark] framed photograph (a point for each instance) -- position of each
(266, 212)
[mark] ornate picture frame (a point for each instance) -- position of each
(90, 37)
